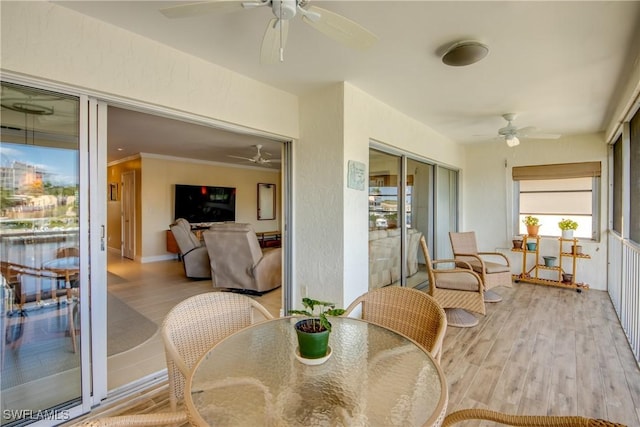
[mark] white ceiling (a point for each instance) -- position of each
(557, 64)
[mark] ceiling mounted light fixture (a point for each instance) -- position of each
(512, 140)
(465, 53)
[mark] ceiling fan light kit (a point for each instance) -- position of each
(512, 140)
(512, 134)
(464, 53)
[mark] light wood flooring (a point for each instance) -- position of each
(542, 350)
(153, 289)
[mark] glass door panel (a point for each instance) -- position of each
(446, 218)
(39, 253)
(419, 207)
(384, 233)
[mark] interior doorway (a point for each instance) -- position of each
(128, 189)
(149, 154)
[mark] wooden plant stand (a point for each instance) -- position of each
(565, 250)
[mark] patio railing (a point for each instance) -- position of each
(624, 287)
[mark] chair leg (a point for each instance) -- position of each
(459, 318)
(491, 296)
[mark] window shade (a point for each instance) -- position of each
(557, 171)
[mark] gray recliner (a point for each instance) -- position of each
(238, 262)
(193, 253)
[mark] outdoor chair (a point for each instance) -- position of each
(155, 420)
(408, 311)
(493, 267)
(193, 326)
(457, 290)
(525, 420)
(195, 257)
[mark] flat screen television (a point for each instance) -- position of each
(204, 204)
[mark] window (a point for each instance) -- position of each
(554, 192)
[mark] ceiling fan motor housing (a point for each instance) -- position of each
(284, 9)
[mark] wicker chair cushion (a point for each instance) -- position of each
(457, 281)
(490, 267)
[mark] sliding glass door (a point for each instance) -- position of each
(40, 254)
(408, 199)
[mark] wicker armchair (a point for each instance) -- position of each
(408, 311)
(492, 273)
(525, 420)
(193, 326)
(456, 290)
(158, 419)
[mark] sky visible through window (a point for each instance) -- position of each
(61, 165)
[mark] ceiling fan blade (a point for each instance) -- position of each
(202, 8)
(271, 51)
(243, 158)
(543, 136)
(533, 133)
(340, 28)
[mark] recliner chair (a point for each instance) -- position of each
(195, 257)
(238, 262)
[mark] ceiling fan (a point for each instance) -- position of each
(329, 23)
(512, 134)
(259, 158)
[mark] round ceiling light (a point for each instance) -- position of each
(465, 53)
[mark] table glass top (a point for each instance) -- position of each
(373, 377)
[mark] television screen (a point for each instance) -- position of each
(200, 203)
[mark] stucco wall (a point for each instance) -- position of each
(488, 196)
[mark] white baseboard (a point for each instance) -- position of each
(158, 258)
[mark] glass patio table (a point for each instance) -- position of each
(372, 377)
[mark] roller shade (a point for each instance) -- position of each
(557, 171)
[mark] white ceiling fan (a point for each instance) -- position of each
(259, 158)
(512, 134)
(329, 23)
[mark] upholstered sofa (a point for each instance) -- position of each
(384, 256)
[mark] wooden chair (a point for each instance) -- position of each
(492, 273)
(408, 311)
(456, 290)
(193, 326)
(525, 420)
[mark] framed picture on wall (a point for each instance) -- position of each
(113, 191)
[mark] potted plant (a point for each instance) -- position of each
(313, 332)
(567, 226)
(517, 242)
(533, 225)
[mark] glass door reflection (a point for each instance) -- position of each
(39, 252)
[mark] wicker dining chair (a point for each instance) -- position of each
(177, 418)
(493, 267)
(194, 325)
(457, 290)
(525, 420)
(408, 311)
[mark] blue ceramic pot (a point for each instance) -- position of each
(531, 246)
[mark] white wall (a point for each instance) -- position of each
(487, 202)
(159, 175)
